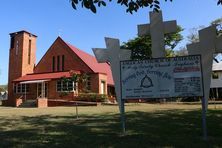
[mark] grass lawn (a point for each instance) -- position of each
(148, 125)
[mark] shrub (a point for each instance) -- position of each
(92, 97)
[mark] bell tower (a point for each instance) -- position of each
(22, 58)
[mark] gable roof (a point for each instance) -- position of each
(91, 61)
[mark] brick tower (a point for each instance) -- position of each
(22, 57)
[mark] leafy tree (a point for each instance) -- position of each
(130, 5)
(141, 46)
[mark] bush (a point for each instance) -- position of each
(190, 99)
(92, 97)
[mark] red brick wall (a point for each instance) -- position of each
(26, 67)
(18, 102)
(43, 102)
(18, 63)
(94, 82)
(58, 48)
(53, 94)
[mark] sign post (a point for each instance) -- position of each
(113, 54)
(204, 120)
(122, 112)
(162, 78)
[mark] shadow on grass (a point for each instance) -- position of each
(173, 128)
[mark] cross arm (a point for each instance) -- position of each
(112, 43)
(101, 54)
(143, 29)
(170, 26)
(193, 48)
(125, 54)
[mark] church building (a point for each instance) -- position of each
(42, 82)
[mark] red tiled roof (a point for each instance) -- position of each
(93, 64)
(42, 76)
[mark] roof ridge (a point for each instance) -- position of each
(79, 49)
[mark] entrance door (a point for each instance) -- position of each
(103, 87)
(40, 92)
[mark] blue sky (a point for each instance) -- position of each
(85, 30)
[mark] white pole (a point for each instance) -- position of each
(43, 89)
(204, 121)
(42, 93)
(217, 96)
(37, 90)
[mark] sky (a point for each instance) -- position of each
(49, 19)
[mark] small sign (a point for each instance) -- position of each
(161, 78)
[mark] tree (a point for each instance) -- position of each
(141, 46)
(130, 5)
(193, 37)
(218, 23)
(181, 52)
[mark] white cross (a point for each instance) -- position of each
(206, 47)
(157, 28)
(114, 55)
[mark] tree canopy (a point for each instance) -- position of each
(130, 5)
(141, 46)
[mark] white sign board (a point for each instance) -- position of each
(161, 78)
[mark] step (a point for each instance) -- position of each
(28, 103)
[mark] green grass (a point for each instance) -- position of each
(147, 125)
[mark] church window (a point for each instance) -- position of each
(21, 88)
(58, 63)
(29, 51)
(63, 62)
(67, 86)
(53, 63)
